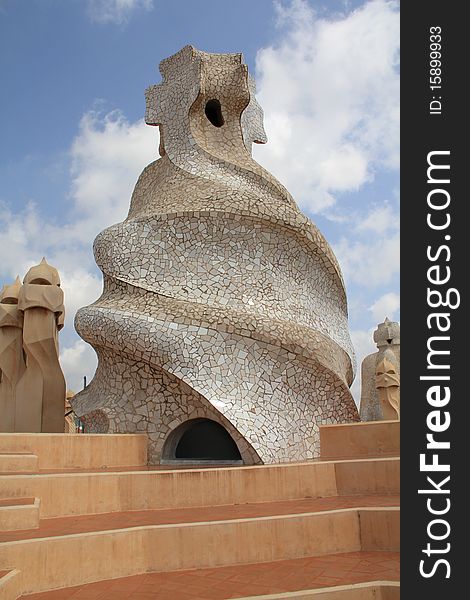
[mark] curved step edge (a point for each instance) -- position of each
(10, 583)
(372, 590)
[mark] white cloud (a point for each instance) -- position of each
(362, 339)
(21, 235)
(330, 91)
(78, 360)
(26, 238)
(80, 289)
(107, 156)
(363, 343)
(379, 220)
(386, 306)
(115, 11)
(369, 264)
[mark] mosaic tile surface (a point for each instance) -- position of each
(221, 299)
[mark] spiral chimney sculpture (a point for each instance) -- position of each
(221, 300)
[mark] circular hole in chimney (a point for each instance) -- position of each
(213, 112)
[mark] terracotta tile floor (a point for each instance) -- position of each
(107, 521)
(241, 580)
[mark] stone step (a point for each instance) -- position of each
(375, 590)
(10, 584)
(368, 475)
(360, 440)
(96, 497)
(358, 575)
(80, 493)
(84, 451)
(18, 462)
(50, 562)
(19, 514)
(123, 520)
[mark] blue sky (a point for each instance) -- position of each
(73, 75)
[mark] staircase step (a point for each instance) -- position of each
(325, 529)
(322, 573)
(19, 513)
(84, 451)
(19, 462)
(10, 584)
(122, 520)
(368, 476)
(77, 493)
(360, 440)
(50, 562)
(374, 590)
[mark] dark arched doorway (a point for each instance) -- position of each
(201, 440)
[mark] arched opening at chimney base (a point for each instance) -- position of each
(201, 441)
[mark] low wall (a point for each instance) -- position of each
(78, 450)
(90, 493)
(359, 440)
(368, 476)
